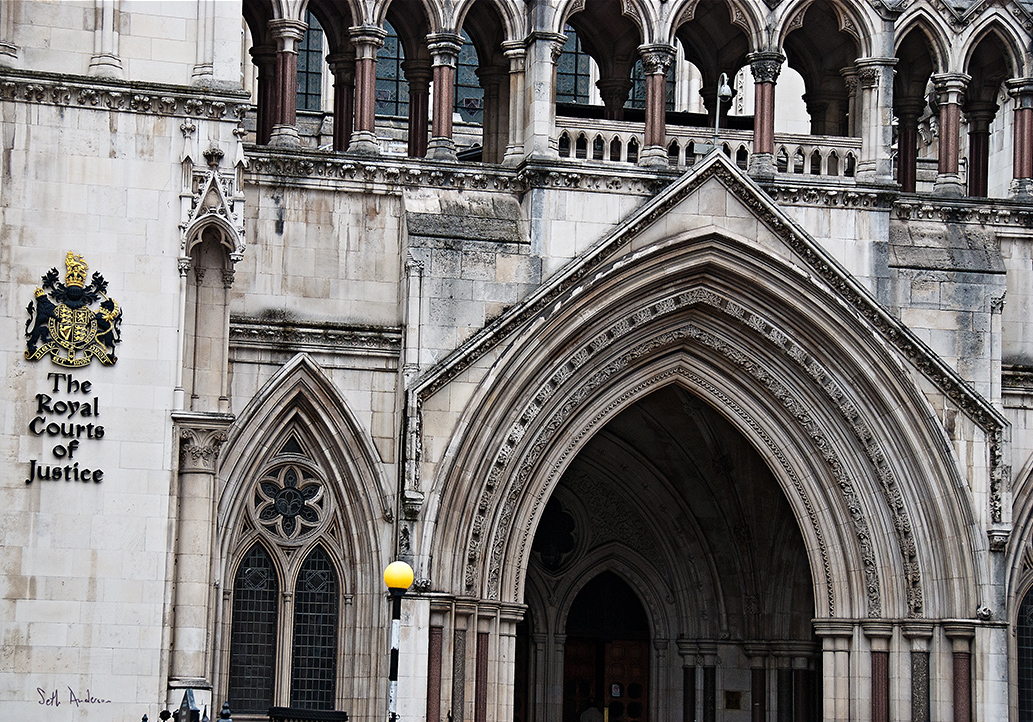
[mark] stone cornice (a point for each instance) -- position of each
(122, 96)
(249, 332)
(302, 167)
(997, 212)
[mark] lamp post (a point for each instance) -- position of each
(723, 93)
(398, 577)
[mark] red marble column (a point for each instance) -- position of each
(879, 634)
(444, 51)
(480, 709)
(765, 68)
(287, 33)
(908, 112)
(366, 40)
(342, 65)
(980, 116)
(264, 58)
(614, 92)
(1021, 91)
(656, 61)
(950, 89)
(435, 643)
(418, 74)
(491, 79)
(961, 635)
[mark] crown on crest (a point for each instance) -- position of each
(75, 270)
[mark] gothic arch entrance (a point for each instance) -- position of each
(669, 578)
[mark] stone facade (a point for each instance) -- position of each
(692, 432)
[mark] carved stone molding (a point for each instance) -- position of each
(809, 367)
(264, 333)
(1000, 213)
(200, 438)
(282, 165)
(121, 96)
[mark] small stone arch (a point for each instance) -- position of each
(743, 15)
(856, 20)
(935, 32)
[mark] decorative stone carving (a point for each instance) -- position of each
(199, 448)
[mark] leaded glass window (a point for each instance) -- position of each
(310, 66)
(573, 75)
(638, 88)
(1025, 649)
(392, 91)
(314, 668)
(469, 94)
(253, 638)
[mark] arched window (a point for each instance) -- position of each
(1024, 632)
(314, 664)
(290, 508)
(253, 638)
(310, 66)
(573, 71)
(469, 101)
(392, 90)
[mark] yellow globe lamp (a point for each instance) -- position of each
(398, 576)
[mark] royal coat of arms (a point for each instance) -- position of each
(63, 323)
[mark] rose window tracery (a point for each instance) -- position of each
(289, 501)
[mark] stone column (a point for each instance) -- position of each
(444, 52)
(908, 112)
(758, 683)
(105, 61)
(980, 115)
(656, 60)
(417, 75)
(875, 76)
(204, 59)
(342, 65)
(287, 33)
(1021, 90)
(765, 68)
(517, 55)
(217, 57)
(688, 653)
(835, 646)
(366, 40)
(850, 81)
(543, 50)
(264, 58)
(960, 635)
(491, 82)
(878, 634)
(200, 436)
(708, 651)
(614, 92)
(919, 633)
(950, 90)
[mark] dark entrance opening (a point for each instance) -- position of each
(606, 657)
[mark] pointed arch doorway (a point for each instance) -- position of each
(668, 578)
(606, 655)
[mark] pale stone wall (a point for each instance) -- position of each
(86, 565)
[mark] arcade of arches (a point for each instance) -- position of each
(932, 112)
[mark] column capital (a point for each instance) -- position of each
(765, 65)
(555, 41)
(871, 70)
(287, 33)
(200, 438)
(367, 39)
(1021, 89)
(341, 63)
(833, 627)
(656, 58)
(417, 72)
(444, 48)
(951, 85)
(263, 56)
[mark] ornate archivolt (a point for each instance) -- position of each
(802, 392)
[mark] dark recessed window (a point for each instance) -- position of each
(310, 66)
(392, 90)
(573, 75)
